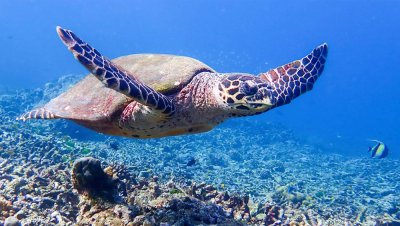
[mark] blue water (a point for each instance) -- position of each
(355, 99)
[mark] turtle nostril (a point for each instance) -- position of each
(249, 89)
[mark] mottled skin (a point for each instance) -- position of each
(123, 105)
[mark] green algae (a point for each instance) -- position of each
(85, 151)
(175, 191)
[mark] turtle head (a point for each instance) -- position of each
(245, 94)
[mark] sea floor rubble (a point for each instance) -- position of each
(264, 178)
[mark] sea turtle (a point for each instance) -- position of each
(155, 95)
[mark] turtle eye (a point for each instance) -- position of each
(249, 88)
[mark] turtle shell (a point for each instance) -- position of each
(90, 100)
(167, 74)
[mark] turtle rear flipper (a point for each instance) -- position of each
(293, 79)
(113, 76)
(39, 113)
(87, 100)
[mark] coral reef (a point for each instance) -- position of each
(263, 177)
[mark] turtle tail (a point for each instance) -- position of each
(39, 113)
(293, 79)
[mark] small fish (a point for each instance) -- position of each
(191, 161)
(380, 150)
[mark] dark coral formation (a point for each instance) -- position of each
(89, 178)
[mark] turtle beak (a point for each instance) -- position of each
(260, 107)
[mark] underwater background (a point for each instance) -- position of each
(355, 99)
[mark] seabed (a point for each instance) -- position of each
(239, 177)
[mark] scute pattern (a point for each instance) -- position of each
(114, 77)
(293, 79)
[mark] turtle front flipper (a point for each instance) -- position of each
(291, 80)
(113, 76)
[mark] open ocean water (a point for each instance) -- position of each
(301, 163)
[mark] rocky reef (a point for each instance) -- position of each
(57, 173)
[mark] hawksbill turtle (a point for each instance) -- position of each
(156, 95)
